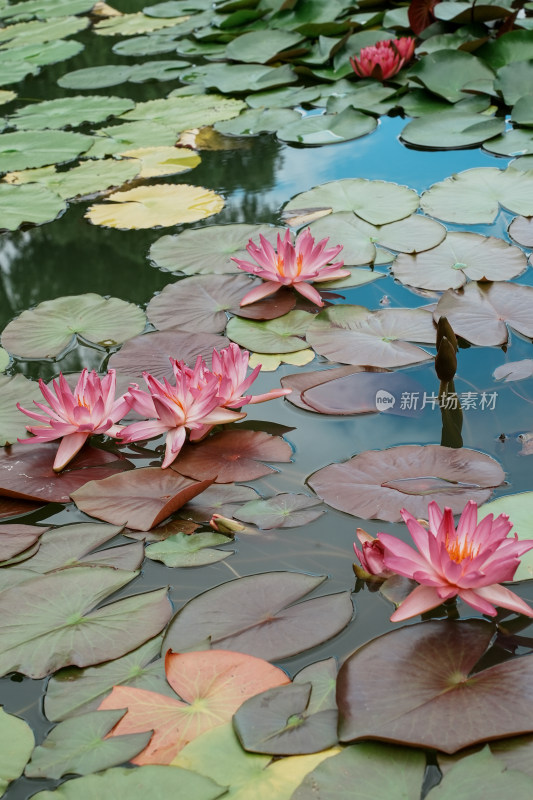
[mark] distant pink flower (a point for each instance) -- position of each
(384, 59)
(370, 557)
(193, 404)
(73, 416)
(230, 367)
(291, 265)
(469, 562)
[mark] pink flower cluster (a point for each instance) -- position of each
(384, 59)
(468, 562)
(199, 399)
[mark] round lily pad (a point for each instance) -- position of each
(239, 77)
(514, 81)
(258, 120)
(96, 77)
(133, 24)
(24, 149)
(447, 72)
(148, 45)
(451, 131)
(46, 330)
(16, 389)
(328, 128)
(282, 335)
(521, 230)
(35, 204)
(158, 161)
(88, 178)
(518, 142)
(69, 112)
(118, 139)
(189, 111)
(259, 47)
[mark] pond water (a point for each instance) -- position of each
(256, 179)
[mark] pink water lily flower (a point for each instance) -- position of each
(73, 416)
(384, 59)
(230, 366)
(193, 405)
(468, 562)
(291, 265)
(370, 557)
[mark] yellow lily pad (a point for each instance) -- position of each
(161, 205)
(158, 161)
(269, 362)
(6, 95)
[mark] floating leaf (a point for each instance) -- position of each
(479, 312)
(190, 111)
(16, 744)
(133, 24)
(239, 77)
(189, 550)
(37, 32)
(73, 691)
(212, 685)
(14, 539)
(137, 784)
(355, 335)
(234, 455)
(299, 382)
(514, 370)
(294, 719)
(150, 45)
(518, 142)
(88, 178)
(139, 500)
(207, 250)
(427, 668)
(13, 390)
(521, 230)
(514, 81)
(474, 196)
(46, 9)
(270, 362)
(461, 256)
(119, 139)
(376, 484)
(14, 508)
(158, 205)
(159, 161)
(281, 511)
(515, 45)
(15, 71)
(69, 112)
(218, 498)
(451, 130)
(522, 113)
(259, 47)
(47, 623)
(328, 128)
(6, 96)
(79, 746)
(34, 204)
(258, 120)
(257, 615)
(519, 508)
(377, 202)
(447, 72)
(24, 149)
(282, 335)
(26, 471)
(46, 330)
(479, 776)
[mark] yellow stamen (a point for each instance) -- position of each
(461, 549)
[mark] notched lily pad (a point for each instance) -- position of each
(281, 511)
(190, 550)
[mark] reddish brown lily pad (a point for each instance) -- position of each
(232, 456)
(140, 499)
(376, 484)
(277, 305)
(299, 382)
(14, 539)
(415, 686)
(26, 471)
(14, 508)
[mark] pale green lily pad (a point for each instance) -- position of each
(377, 202)
(173, 8)
(269, 362)
(157, 71)
(37, 32)
(73, 691)
(50, 327)
(358, 277)
(208, 250)
(137, 784)
(512, 46)
(475, 195)
(519, 508)
(449, 41)
(369, 96)
(288, 97)
(189, 550)
(46, 9)
(239, 77)
(450, 130)
(6, 96)
(15, 389)
(517, 142)
(78, 746)
(258, 120)
(41, 54)
(118, 139)
(25, 149)
(482, 776)
(514, 81)
(189, 111)
(134, 24)
(446, 72)
(96, 77)
(4, 359)
(15, 71)
(521, 230)
(16, 744)
(522, 113)
(282, 335)
(87, 179)
(149, 45)
(328, 128)
(34, 204)
(281, 511)
(158, 161)
(69, 112)
(259, 47)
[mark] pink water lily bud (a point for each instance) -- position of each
(469, 561)
(74, 415)
(384, 59)
(225, 524)
(370, 557)
(297, 265)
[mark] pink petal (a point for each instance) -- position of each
(501, 596)
(69, 446)
(263, 290)
(309, 292)
(175, 441)
(421, 599)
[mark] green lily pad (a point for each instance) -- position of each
(33, 204)
(15, 71)
(69, 112)
(446, 72)
(258, 120)
(328, 128)
(514, 81)
(118, 139)
(511, 46)
(88, 178)
(461, 256)
(133, 24)
(16, 744)
(239, 77)
(282, 335)
(219, 499)
(189, 550)
(522, 113)
(137, 784)
(79, 746)
(173, 8)
(482, 776)
(475, 195)
(519, 508)
(96, 77)
(281, 511)
(203, 251)
(157, 71)
(24, 149)
(13, 390)
(377, 202)
(38, 637)
(517, 142)
(369, 96)
(150, 45)
(189, 111)
(50, 327)
(288, 97)
(39, 55)
(377, 770)
(4, 359)
(259, 47)
(46, 9)
(37, 32)
(450, 130)
(74, 691)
